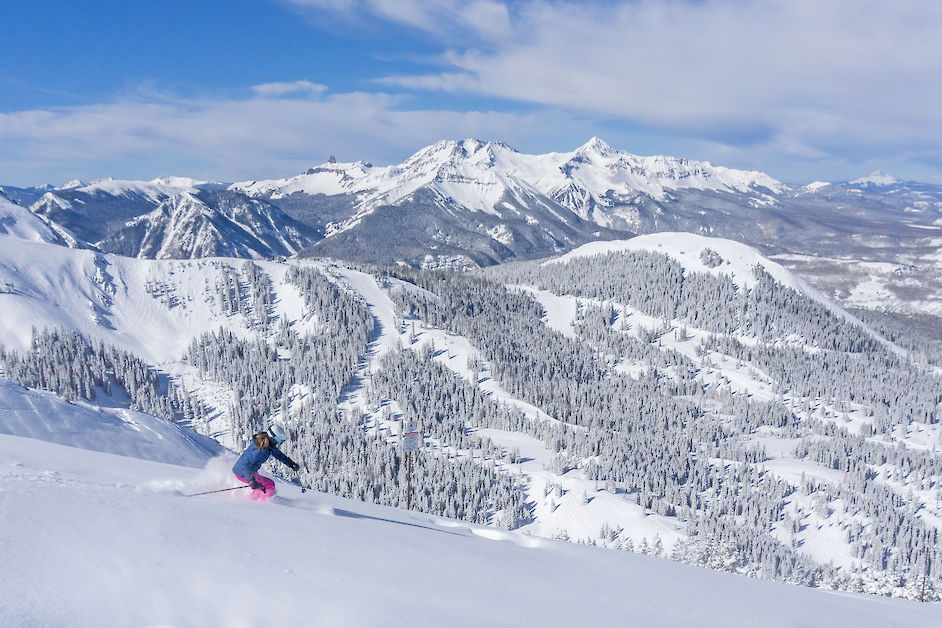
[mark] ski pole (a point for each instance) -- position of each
(221, 490)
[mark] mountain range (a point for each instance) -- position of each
(465, 204)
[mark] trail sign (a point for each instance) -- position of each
(410, 443)
(410, 436)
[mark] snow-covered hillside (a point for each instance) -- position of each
(157, 308)
(589, 295)
(107, 428)
(302, 340)
(732, 259)
(717, 256)
(19, 223)
(134, 550)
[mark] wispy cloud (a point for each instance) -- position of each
(805, 79)
(802, 89)
(484, 20)
(232, 139)
(284, 88)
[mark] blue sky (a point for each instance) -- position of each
(824, 90)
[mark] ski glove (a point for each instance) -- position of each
(256, 485)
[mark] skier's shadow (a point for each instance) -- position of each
(355, 515)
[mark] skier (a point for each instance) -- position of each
(264, 444)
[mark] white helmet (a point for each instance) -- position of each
(278, 433)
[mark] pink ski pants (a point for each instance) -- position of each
(257, 494)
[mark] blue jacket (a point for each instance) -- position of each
(252, 460)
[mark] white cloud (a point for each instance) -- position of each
(850, 79)
(283, 88)
(803, 89)
(484, 19)
(232, 139)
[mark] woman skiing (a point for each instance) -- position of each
(264, 445)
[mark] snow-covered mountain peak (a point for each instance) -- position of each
(600, 183)
(474, 174)
(656, 173)
(359, 166)
(597, 146)
(71, 185)
(155, 190)
(469, 173)
(877, 178)
(51, 200)
(329, 178)
(183, 183)
(455, 153)
(472, 145)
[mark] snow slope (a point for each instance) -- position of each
(135, 551)
(43, 415)
(20, 223)
(738, 260)
(106, 297)
(154, 190)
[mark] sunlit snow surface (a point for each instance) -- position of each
(153, 190)
(19, 223)
(93, 539)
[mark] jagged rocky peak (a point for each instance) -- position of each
(50, 201)
(470, 150)
(598, 146)
(652, 173)
(221, 223)
(339, 167)
(183, 202)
